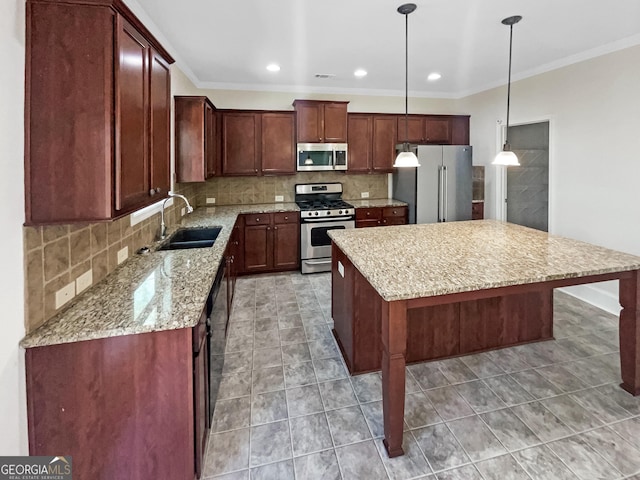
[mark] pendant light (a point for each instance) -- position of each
(406, 158)
(506, 156)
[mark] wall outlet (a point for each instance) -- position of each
(183, 211)
(84, 281)
(364, 194)
(65, 294)
(211, 200)
(279, 198)
(123, 254)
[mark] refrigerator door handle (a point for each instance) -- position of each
(445, 206)
(439, 193)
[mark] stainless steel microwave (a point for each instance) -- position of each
(321, 156)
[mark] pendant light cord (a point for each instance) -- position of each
(506, 135)
(406, 82)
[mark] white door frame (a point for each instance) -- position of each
(501, 172)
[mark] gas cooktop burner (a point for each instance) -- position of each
(323, 204)
(322, 200)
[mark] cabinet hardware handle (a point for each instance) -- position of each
(368, 213)
(286, 218)
(158, 190)
(257, 219)
(152, 192)
(275, 228)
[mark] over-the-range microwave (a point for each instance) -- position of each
(321, 156)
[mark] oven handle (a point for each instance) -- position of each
(317, 262)
(326, 219)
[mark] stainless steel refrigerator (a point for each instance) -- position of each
(440, 190)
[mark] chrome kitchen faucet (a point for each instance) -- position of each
(163, 227)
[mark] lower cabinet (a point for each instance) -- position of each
(477, 211)
(381, 216)
(132, 406)
(271, 242)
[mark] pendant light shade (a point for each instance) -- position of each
(406, 158)
(506, 157)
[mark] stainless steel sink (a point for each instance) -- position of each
(197, 237)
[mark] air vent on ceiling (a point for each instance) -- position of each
(325, 75)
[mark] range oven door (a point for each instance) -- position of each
(315, 244)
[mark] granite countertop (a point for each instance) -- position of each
(415, 261)
(162, 290)
(376, 202)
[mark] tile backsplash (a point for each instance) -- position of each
(57, 255)
(246, 190)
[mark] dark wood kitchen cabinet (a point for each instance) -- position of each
(321, 121)
(195, 139)
(278, 150)
(97, 111)
(131, 406)
(434, 129)
(258, 143)
(381, 216)
(240, 143)
(271, 242)
(372, 140)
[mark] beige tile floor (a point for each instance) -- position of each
(287, 408)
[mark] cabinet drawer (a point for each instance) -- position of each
(257, 219)
(394, 212)
(368, 213)
(286, 217)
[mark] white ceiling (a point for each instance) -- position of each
(227, 44)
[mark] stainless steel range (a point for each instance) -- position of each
(321, 209)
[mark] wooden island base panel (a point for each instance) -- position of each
(434, 332)
(472, 287)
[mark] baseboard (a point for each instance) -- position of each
(597, 297)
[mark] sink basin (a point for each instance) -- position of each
(192, 238)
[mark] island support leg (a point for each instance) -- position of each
(630, 333)
(394, 346)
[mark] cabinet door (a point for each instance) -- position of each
(286, 241)
(159, 142)
(384, 143)
(360, 132)
(258, 243)
(460, 130)
(240, 143)
(210, 145)
(438, 130)
(278, 144)
(132, 165)
(394, 215)
(335, 122)
(368, 217)
(309, 121)
(415, 128)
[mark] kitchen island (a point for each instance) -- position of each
(407, 268)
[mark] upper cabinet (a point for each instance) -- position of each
(434, 129)
(96, 114)
(320, 121)
(196, 139)
(372, 143)
(258, 143)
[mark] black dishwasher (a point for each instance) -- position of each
(217, 320)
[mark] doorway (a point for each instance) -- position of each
(527, 199)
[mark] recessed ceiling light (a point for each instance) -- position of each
(360, 73)
(273, 67)
(434, 76)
